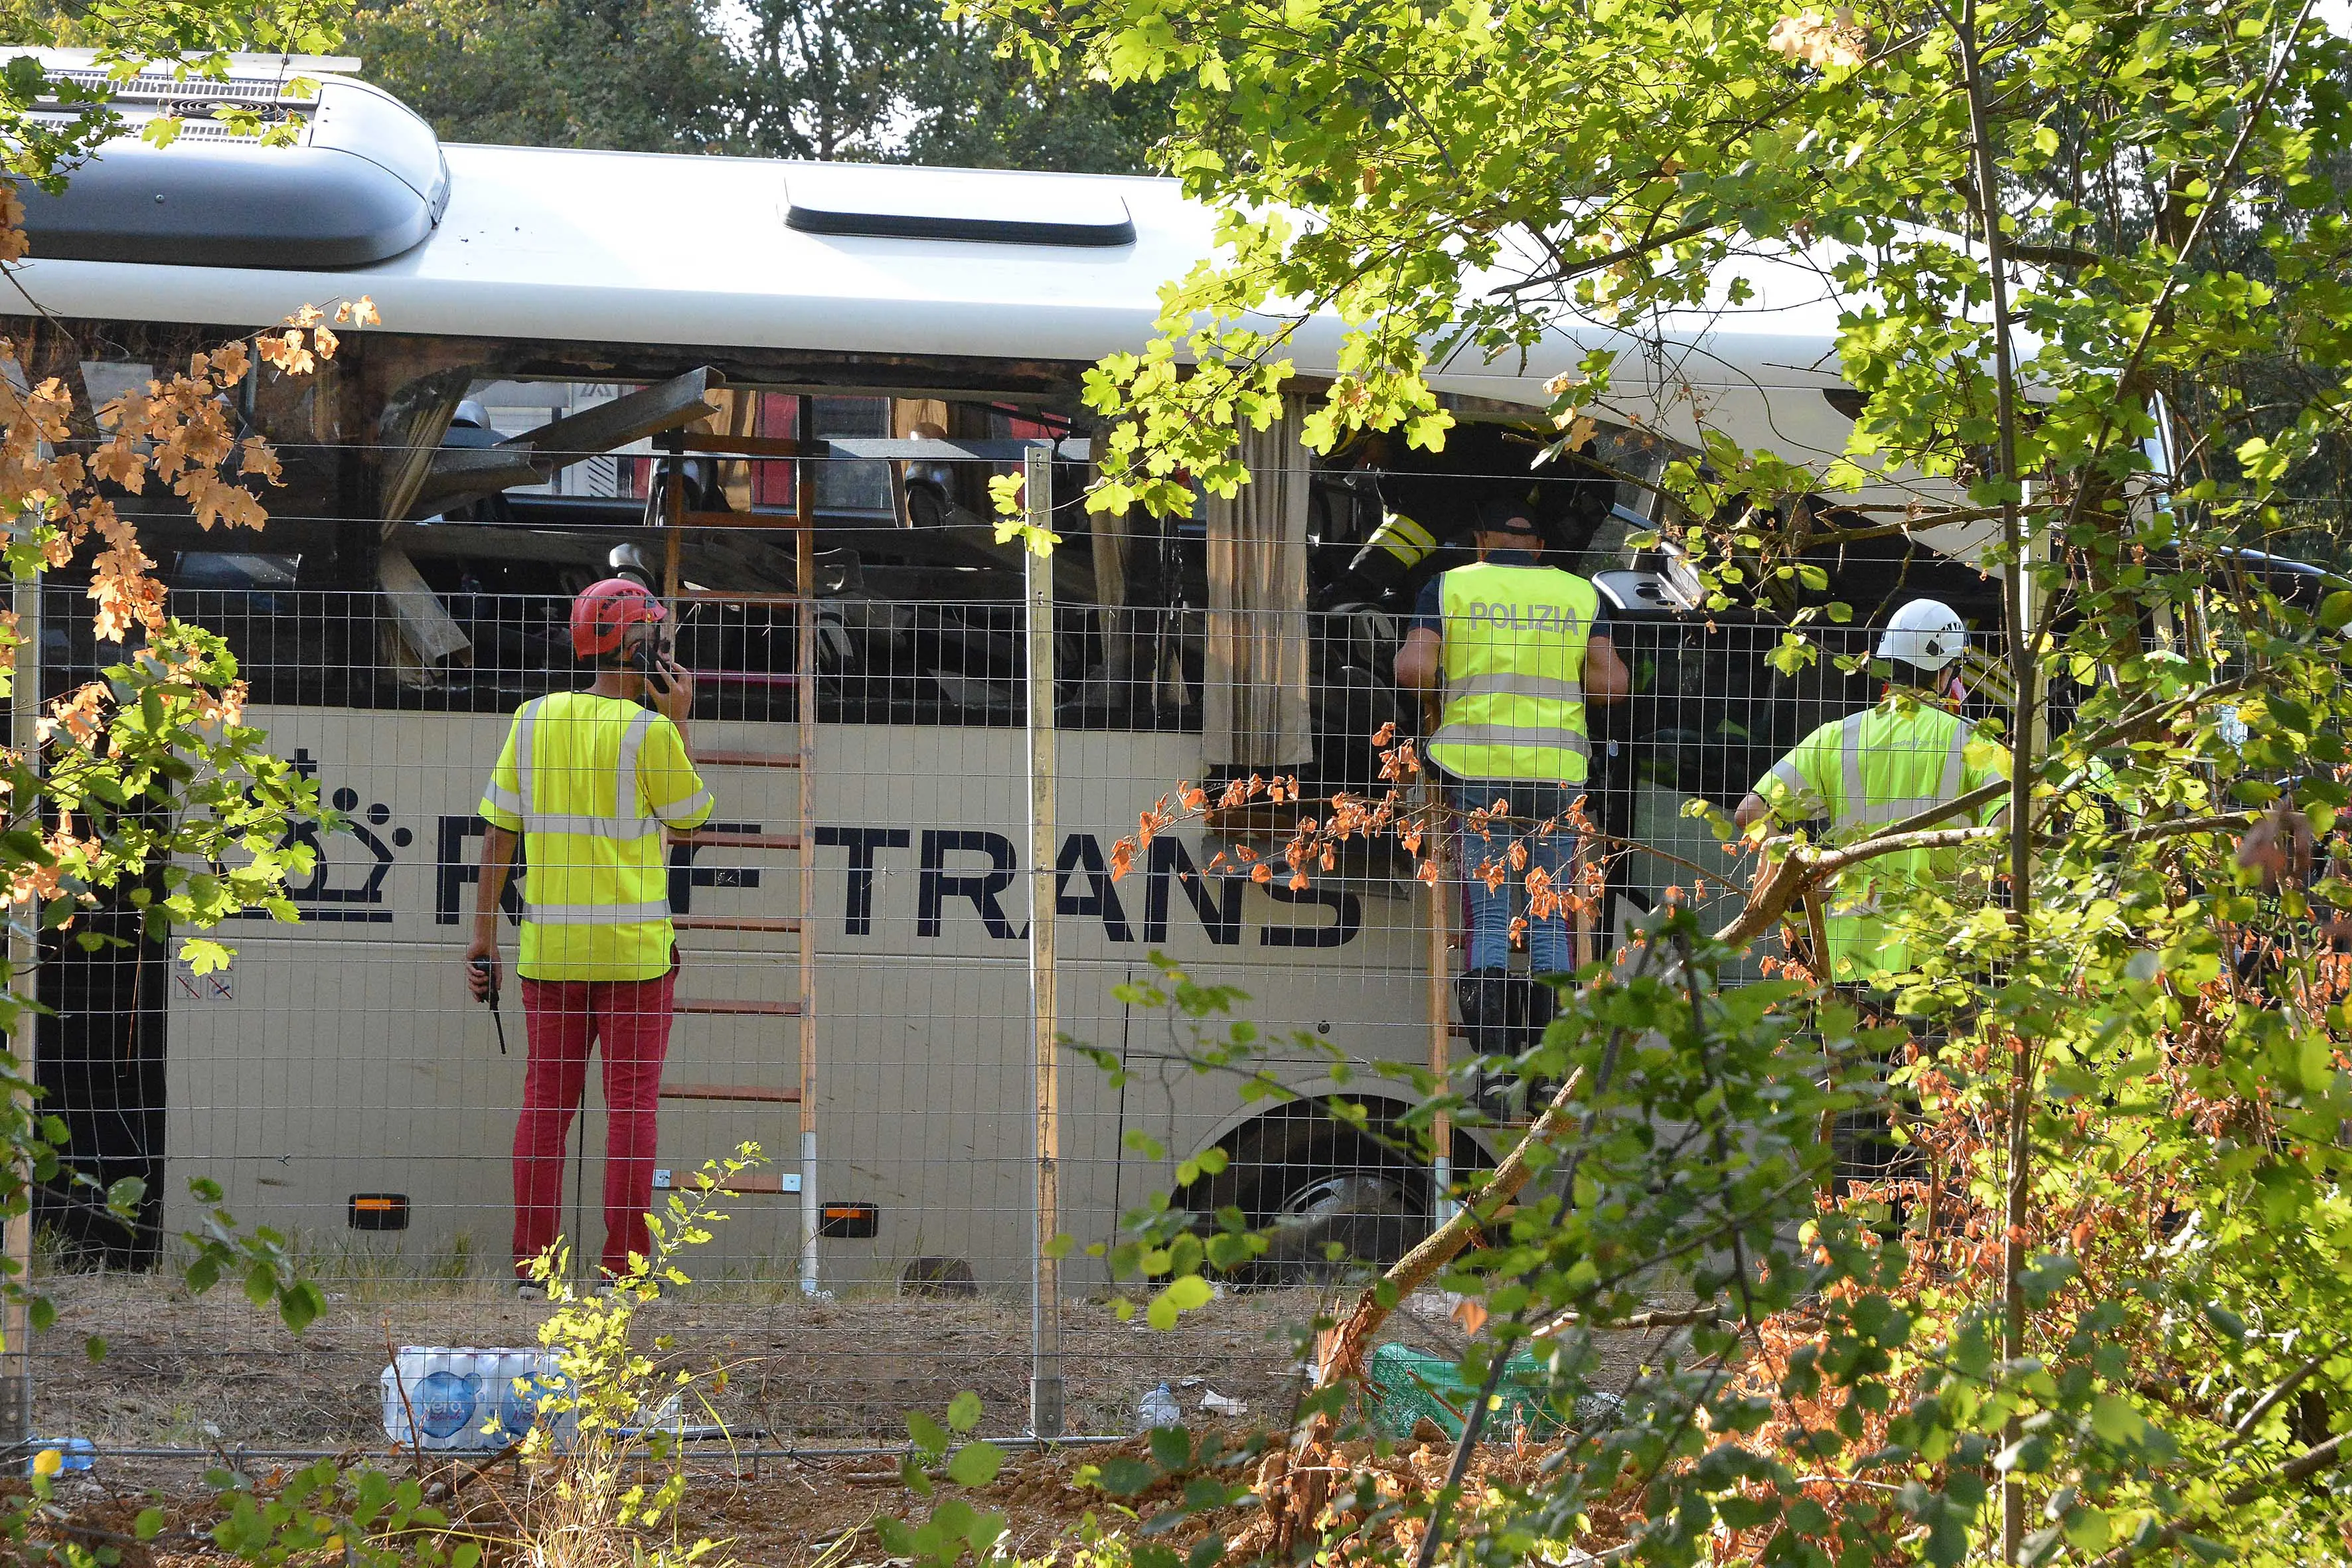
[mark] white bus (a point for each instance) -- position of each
(560, 329)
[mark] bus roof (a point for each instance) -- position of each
(697, 250)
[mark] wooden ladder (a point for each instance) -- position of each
(762, 1099)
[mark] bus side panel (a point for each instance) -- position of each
(340, 1055)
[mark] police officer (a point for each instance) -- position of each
(1909, 752)
(589, 780)
(1520, 649)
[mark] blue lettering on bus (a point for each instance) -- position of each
(1082, 855)
(962, 874)
(858, 910)
(938, 885)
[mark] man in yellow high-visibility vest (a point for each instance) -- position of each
(1520, 649)
(589, 780)
(1909, 753)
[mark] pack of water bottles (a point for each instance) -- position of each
(473, 1399)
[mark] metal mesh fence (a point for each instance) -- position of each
(341, 1087)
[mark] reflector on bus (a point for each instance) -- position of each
(995, 205)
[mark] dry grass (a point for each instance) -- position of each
(179, 1370)
(788, 1514)
(212, 1373)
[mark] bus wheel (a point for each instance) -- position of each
(1308, 1182)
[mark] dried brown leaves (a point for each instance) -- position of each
(179, 432)
(1832, 41)
(53, 478)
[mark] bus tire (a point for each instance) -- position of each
(1306, 1182)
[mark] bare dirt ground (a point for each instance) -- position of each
(783, 1515)
(212, 1373)
(792, 1513)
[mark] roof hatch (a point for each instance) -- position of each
(989, 205)
(363, 182)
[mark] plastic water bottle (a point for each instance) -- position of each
(466, 1398)
(73, 1454)
(1159, 1408)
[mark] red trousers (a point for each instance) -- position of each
(629, 1020)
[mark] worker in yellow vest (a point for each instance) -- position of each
(1909, 753)
(589, 780)
(1519, 649)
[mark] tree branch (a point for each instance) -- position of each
(2216, 200)
(1291, 1492)
(2279, 1391)
(2057, 256)
(2310, 1462)
(1804, 869)
(1609, 258)
(1710, 1315)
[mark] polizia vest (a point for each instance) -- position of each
(591, 782)
(1514, 648)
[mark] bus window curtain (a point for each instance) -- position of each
(1111, 620)
(1254, 710)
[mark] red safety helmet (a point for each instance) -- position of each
(604, 610)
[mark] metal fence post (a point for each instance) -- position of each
(804, 714)
(24, 952)
(1437, 840)
(1046, 1270)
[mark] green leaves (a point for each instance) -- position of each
(1181, 1295)
(260, 1259)
(2115, 1420)
(1124, 1478)
(975, 1465)
(954, 1527)
(1172, 1449)
(929, 1437)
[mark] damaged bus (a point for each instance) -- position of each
(778, 392)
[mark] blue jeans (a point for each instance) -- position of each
(1550, 951)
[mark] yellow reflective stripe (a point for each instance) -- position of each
(596, 914)
(1513, 647)
(1902, 809)
(1860, 809)
(1507, 685)
(627, 796)
(1857, 799)
(526, 720)
(1404, 539)
(502, 798)
(1511, 736)
(680, 811)
(621, 828)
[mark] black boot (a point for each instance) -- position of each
(1483, 1001)
(1535, 1004)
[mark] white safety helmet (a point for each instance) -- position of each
(1925, 634)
